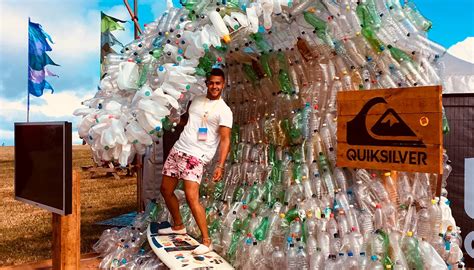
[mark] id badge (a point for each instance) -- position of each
(202, 134)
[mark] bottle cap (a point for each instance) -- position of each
(373, 258)
(350, 254)
(378, 206)
(409, 234)
(433, 201)
(387, 174)
(388, 266)
(282, 215)
(226, 38)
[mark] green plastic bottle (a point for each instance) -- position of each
(261, 43)
(411, 251)
(446, 128)
(264, 61)
(262, 230)
(250, 73)
(292, 214)
(320, 26)
(373, 40)
(398, 54)
(205, 64)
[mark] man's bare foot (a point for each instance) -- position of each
(206, 241)
(178, 227)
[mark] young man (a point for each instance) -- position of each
(209, 126)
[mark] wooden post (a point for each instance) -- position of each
(140, 167)
(67, 232)
(439, 183)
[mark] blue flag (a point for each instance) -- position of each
(38, 59)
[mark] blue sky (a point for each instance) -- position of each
(75, 28)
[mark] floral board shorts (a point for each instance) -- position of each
(183, 166)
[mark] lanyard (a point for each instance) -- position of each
(207, 113)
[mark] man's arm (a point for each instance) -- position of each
(224, 148)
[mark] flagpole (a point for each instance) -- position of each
(135, 13)
(28, 108)
(28, 91)
(134, 17)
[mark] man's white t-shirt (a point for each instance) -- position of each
(219, 114)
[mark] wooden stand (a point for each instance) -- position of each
(67, 232)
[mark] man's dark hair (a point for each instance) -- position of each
(216, 72)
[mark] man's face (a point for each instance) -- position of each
(215, 84)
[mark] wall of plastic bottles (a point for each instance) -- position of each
(283, 203)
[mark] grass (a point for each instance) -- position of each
(25, 230)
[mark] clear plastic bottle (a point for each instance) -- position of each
(330, 263)
(278, 259)
(379, 221)
(365, 222)
(391, 188)
(423, 227)
(341, 260)
(292, 260)
(436, 218)
(316, 260)
(351, 262)
(302, 259)
(335, 244)
(375, 264)
(295, 228)
(363, 261)
(311, 243)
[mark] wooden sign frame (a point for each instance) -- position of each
(66, 253)
(391, 129)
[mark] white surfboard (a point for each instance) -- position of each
(175, 251)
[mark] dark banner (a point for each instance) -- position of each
(459, 143)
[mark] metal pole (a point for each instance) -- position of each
(135, 14)
(138, 158)
(28, 108)
(134, 18)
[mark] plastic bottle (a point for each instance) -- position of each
(424, 224)
(436, 218)
(323, 242)
(351, 262)
(363, 261)
(379, 220)
(365, 222)
(296, 228)
(375, 264)
(335, 244)
(278, 259)
(292, 260)
(391, 187)
(411, 251)
(311, 243)
(302, 259)
(316, 260)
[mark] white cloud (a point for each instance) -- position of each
(464, 50)
(6, 134)
(61, 104)
(55, 105)
(75, 30)
(48, 107)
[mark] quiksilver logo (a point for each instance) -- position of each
(389, 129)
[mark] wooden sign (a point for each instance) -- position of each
(390, 129)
